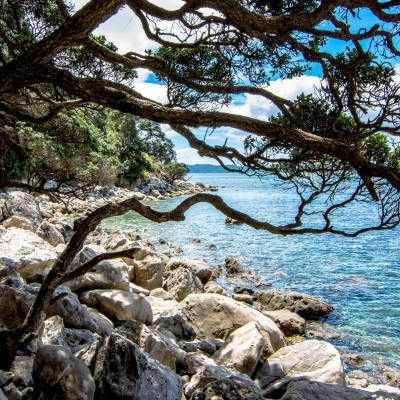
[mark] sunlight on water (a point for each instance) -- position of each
(359, 276)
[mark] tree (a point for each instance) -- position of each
(334, 148)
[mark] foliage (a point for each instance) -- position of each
(176, 171)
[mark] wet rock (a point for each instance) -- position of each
(59, 375)
(306, 306)
(289, 323)
(304, 389)
(182, 282)
(122, 371)
(233, 266)
(232, 389)
(194, 241)
(231, 221)
(312, 360)
(243, 290)
(242, 349)
(120, 304)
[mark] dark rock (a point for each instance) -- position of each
(194, 241)
(231, 221)
(177, 326)
(233, 266)
(228, 389)
(243, 290)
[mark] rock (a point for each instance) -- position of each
(59, 375)
(304, 389)
(306, 306)
(232, 389)
(102, 322)
(122, 371)
(245, 298)
(153, 342)
(50, 234)
(26, 253)
(21, 368)
(182, 282)
(289, 323)
(19, 222)
(120, 304)
(228, 220)
(391, 376)
(162, 308)
(2, 395)
(194, 241)
(6, 377)
(201, 268)
(206, 371)
(243, 290)
(211, 246)
(149, 272)
(53, 332)
(242, 350)
(213, 287)
(233, 266)
(23, 205)
(207, 347)
(109, 274)
(12, 393)
(215, 316)
(161, 293)
(313, 360)
(176, 325)
(138, 290)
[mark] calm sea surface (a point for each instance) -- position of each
(359, 276)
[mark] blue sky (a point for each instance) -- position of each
(125, 31)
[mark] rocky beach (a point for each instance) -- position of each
(157, 325)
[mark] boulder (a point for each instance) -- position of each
(53, 332)
(23, 205)
(232, 389)
(21, 368)
(214, 287)
(19, 222)
(201, 268)
(149, 272)
(304, 389)
(161, 293)
(215, 316)
(208, 347)
(122, 371)
(242, 349)
(245, 298)
(233, 266)
(206, 371)
(50, 234)
(26, 253)
(162, 308)
(289, 322)
(176, 326)
(313, 360)
(182, 282)
(306, 306)
(120, 304)
(138, 290)
(102, 322)
(57, 374)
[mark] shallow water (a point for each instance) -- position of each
(359, 276)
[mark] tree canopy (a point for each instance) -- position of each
(334, 147)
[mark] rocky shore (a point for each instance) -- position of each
(156, 326)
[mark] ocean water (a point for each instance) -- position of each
(359, 276)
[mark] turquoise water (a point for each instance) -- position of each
(359, 276)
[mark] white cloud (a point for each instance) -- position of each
(190, 156)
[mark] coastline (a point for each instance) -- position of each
(55, 215)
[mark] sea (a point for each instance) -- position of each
(358, 276)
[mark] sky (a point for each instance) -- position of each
(124, 30)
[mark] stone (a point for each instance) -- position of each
(304, 389)
(208, 347)
(120, 304)
(245, 298)
(176, 325)
(215, 316)
(289, 323)
(182, 282)
(242, 350)
(102, 322)
(228, 220)
(53, 332)
(21, 368)
(50, 234)
(149, 272)
(153, 342)
(233, 266)
(22, 204)
(306, 306)
(26, 253)
(12, 393)
(232, 389)
(78, 339)
(391, 375)
(201, 268)
(19, 222)
(161, 293)
(2, 395)
(122, 371)
(243, 290)
(313, 360)
(162, 308)
(214, 287)
(57, 374)
(206, 371)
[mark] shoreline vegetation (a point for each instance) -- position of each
(156, 325)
